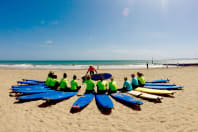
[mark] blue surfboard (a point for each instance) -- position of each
(96, 77)
(104, 101)
(60, 96)
(164, 87)
(24, 88)
(82, 101)
(28, 86)
(37, 96)
(30, 83)
(37, 81)
(126, 99)
(158, 81)
(159, 84)
(34, 91)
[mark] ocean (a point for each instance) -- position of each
(84, 64)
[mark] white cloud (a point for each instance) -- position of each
(125, 12)
(48, 41)
(164, 5)
(42, 22)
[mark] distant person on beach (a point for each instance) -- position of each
(49, 78)
(112, 86)
(141, 80)
(64, 83)
(101, 86)
(147, 65)
(91, 70)
(90, 84)
(74, 84)
(134, 81)
(54, 82)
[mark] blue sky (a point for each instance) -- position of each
(98, 29)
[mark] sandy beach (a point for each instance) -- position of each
(177, 114)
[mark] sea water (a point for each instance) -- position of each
(83, 64)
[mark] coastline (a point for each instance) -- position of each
(173, 114)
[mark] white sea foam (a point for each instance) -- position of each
(30, 66)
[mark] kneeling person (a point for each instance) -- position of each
(112, 86)
(134, 81)
(63, 83)
(90, 85)
(127, 85)
(141, 79)
(54, 83)
(74, 84)
(101, 86)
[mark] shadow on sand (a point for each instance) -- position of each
(23, 101)
(133, 106)
(50, 103)
(103, 110)
(73, 110)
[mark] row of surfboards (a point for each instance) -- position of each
(37, 90)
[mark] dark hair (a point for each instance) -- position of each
(132, 75)
(50, 74)
(64, 75)
(112, 78)
(139, 74)
(88, 77)
(125, 78)
(55, 76)
(74, 77)
(101, 78)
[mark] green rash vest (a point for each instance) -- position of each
(101, 85)
(63, 83)
(112, 86)
(74, 85)
(141, 79)
(53, 82)
(48, 80)
(90, 84)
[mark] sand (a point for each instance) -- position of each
(179, 114)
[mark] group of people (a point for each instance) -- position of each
(62, 85)
(101, 85)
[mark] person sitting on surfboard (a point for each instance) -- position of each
(74, 84)
(54, 82)
(127, 85)
(101, 86)
(49, 78)
(112, 86)
(141, 79)
(63, 83)
(134, 81)
(91, 70)
(90, 84)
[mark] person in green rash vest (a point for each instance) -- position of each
(134, 81)
(101, 86)
(54, 82)
(126, 86)
(63, 83)
(49, 78)
(112, 86)
(74, 84)
(90, 85)
(141, 79)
